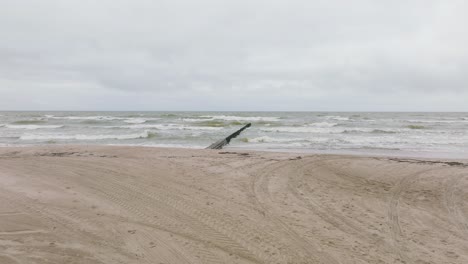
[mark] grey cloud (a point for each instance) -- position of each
(295, 55)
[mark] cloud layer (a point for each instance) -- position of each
(234, 55)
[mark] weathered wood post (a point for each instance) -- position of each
(223, 142)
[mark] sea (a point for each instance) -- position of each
(438, 135)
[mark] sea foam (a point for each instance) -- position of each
(135, 120)
(243, 118)
(146, 134)
(101, 118)
(163, 127)
(265, 139)
(33, 127)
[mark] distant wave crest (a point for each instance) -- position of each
(96, 119)
(268, 139)
(101, 118)
(323, 124)
(302, 129)
(135, 121)
(33, 127)
(242, 118)
(339, 118)
(164, 127)
(368, 130)
(146, 134)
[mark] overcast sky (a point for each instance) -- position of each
(308, 55)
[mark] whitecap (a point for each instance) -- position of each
(339, 118)
(135, 121)
(268, 139)
(372, 130)
(99, 118)
(164, 127)
(303, 129)
(196, 119)
(436, 121)
(33, 127)
(145, 134)
(323, 124)
(159, 145)
(243, 118)
(200, 128)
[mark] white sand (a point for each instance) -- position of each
(96, 204)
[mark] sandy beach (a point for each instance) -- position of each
(108, 204)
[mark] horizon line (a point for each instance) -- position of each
(271, 111)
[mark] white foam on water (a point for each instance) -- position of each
(329, 128)
(196, 119)
(289, 141)
(435, 121)
(200, 128)
(267, 139)
(164, 127)
(243, 118)
(135, 120)
(145, 134)
(323, 124)
(339, 118)
(304, 129)
(98, 118)
(311, 131)
(374, 130)
(264, 139)
(33, 127)
(174, 146)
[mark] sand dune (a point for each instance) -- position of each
(96, 204)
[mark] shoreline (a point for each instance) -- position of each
(390, 153)
(114, 204)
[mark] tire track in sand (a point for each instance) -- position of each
(337, 220)
(393, 212)
(211, 230)
(72, 221)
(309, 253)
(453, 200)
(262, 241)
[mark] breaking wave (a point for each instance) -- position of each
(135, 121)
(243, 118)
(146, 134)
(218, 123)
(339, 118)
(369, 130)
(303, 129)
(265, 139)
(293, 130)
(99, 118)
(323, 124)
(33, 127)
(449, 121)
(164, 127)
